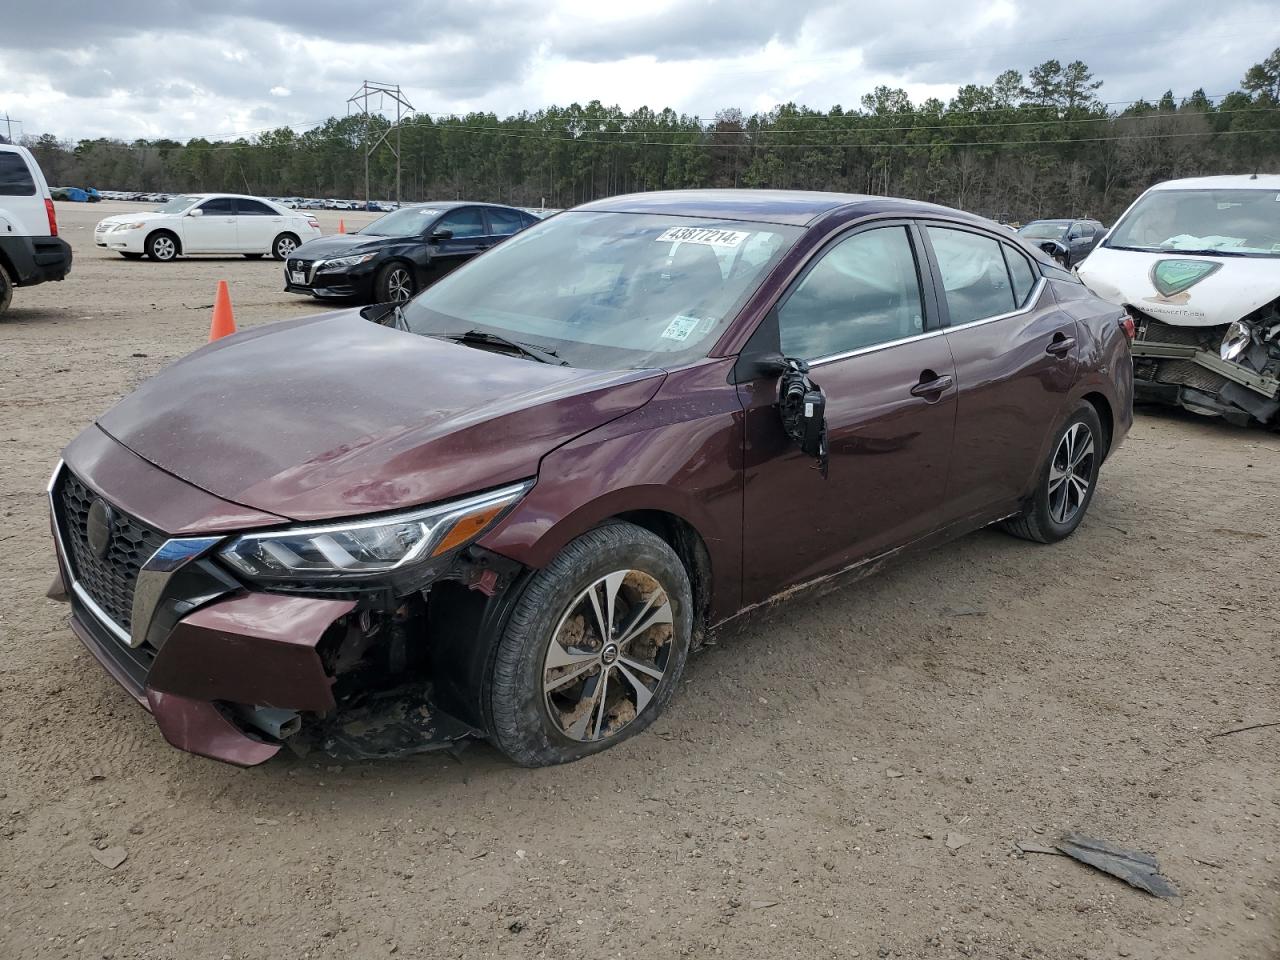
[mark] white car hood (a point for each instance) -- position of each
(144, 217)
(1235, 289)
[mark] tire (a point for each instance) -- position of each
(162, 246)
(130, 255)
(6, 290)
(1063, 491)
(253, 256)
(394, 283)
(554, 620)
(283, 246)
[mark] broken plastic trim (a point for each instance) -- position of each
(803, 406)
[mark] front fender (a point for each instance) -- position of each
(680, 454)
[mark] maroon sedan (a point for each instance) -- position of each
(510, 508)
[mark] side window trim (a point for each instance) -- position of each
(940, 293)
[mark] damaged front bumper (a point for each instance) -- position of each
(1182, 366)
(234, 673)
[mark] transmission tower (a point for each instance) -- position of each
(369, 90)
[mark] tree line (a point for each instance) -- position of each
(1043, 144)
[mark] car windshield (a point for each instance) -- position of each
(1044, 230)
(176, 204)
(1229, 222)
(608, 290)
(405, 222)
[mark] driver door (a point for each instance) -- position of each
(214, 231)
(470, 236)
(868, 327)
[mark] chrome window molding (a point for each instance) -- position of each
(1032, 300)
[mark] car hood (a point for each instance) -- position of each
(340, 245)
(334, 416)
(1235, 288)
(142, 215)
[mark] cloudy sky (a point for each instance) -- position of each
(121, 68)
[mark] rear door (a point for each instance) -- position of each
(214, 231)
(257, 225)
(22, 194)
(1016, 359)
(864, 320)
(503, 223)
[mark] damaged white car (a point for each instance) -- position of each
(1197, 264)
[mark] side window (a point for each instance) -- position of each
(219, 207)
(864, 291)
(15, 178)
(466, 222)
(1021, 273)
(974, 275)
(503, 223)
(253, 208)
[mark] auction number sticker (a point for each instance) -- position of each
(680, 327)
(710, 236)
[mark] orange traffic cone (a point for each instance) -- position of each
(224, 322)
(342, 227)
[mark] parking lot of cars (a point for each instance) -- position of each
(847, 773)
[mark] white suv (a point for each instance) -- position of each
(31, 251)
(208, 223)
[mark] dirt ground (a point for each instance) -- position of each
(795, 802)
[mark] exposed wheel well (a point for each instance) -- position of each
(177, 240)
(681, 536)
(1105, 417)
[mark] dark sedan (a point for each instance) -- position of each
(511, 508)
(1066, 241)
(397, 255)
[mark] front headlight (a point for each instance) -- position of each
(138, 225)
(346, 261)
(1238, 338)
(369, 548)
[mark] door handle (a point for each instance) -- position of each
(1061, 345)
(929, 387)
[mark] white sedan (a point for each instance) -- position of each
(208, 223)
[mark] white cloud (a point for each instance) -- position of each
(186, 69)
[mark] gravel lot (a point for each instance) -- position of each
(795, 802)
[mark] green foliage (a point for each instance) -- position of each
(1021, 147)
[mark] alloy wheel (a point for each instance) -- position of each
(164, 248)
(399, 285)
(608, 655)
(1071, 473)
(284, 247)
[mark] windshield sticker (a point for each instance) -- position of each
(680, 327)
(707, 235)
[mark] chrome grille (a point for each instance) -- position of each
(108, 580)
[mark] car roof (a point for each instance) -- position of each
(1261, 181)
(1052, 220)
(454, 204)
(793, 207)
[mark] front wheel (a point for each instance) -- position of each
(394, 284)
(1066, 484)
(6, 290)
(593, 650)
(162, 247)
(283, 246)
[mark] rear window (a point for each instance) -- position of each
(15, 178)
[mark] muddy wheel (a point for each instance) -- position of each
(162, 246)
(1067, 482)
(6, 290)
(593, 650)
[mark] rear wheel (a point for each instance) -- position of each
(283, 246)
(593, 650)
(6, 290)
(394, 284)
(162, 246)
(1067, 482)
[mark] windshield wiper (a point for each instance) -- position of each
(401, 323)
(483, 338)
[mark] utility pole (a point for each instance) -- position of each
(360, 100)
(8, 127)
